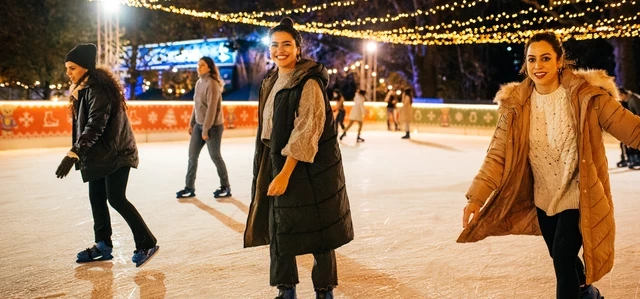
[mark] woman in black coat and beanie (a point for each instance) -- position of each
(299, 202)
(104, 150)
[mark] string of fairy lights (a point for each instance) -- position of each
(279, 12)
(389, 18)
(495, 28)
(567, 2)
(579, 33)
(345, 23)
(286, 12)
(498, 27)
(498, 17)
(432, 35)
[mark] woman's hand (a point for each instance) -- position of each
(205, 137)
(470, 209)
(190, 129)
(279, 185)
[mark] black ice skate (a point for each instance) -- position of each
(223, 191)
(622, 163)
(186, 192)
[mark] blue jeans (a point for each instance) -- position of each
(213, 145)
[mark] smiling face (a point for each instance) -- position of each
(284, 50)
(542, 66)
(74, 71)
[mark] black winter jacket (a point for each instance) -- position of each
(102, 135)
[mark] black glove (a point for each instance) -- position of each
(65, 166)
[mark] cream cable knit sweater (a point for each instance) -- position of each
(553, 152)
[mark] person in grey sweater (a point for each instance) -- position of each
(206, 126)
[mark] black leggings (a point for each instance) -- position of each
(561, 232)
(113, 188)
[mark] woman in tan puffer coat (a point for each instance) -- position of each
(546, 172)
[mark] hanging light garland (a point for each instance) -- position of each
(345, 23)
(514, 25)
(567, 2)
(279, 12)
(389, 19)
(424, 35)
(580, 33)
(285, 12)
(517, 23)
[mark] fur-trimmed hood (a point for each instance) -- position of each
(516, 93)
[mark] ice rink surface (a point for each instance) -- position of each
(406, 199)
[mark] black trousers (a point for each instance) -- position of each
(561, 232)
(112, 188)
(340, 118)
(284, 270)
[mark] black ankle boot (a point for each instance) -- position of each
(590, 292)
(286, 293)
(406, 136)
(324, 294)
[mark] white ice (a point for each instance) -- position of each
(406, 198)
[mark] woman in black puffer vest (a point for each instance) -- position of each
(299, 198)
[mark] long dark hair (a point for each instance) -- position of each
(410, 94)
(104, 81)
(213, 69)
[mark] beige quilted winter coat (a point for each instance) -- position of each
(505, 180)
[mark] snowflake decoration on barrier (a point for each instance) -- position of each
(244, 115)
(431, 116)
(488, 117)
(185, 117)
(153, 117)
(459, 116)
(26, 119)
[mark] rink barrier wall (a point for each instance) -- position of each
(37, 124)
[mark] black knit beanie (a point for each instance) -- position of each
(83, 55)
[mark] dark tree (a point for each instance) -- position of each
(36, 36)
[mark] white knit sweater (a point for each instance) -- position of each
(553, 152)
